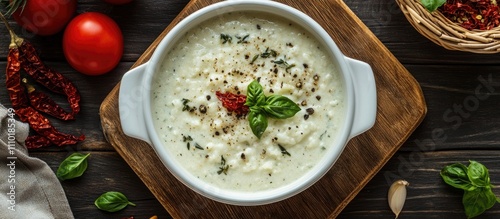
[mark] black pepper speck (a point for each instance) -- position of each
(203, 109)
(310, 111)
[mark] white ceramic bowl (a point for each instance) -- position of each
(137, 121)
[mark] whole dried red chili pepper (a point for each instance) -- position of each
(43, 127)
(43, 103)
(47, 76)
(13, 79)
(37, 141)
(233, 102)
(43, 74)
(27, 58)
(47, 134)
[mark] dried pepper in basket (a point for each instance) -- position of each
(478, 14)
(22, 55)
(470, 14)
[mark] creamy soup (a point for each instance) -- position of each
(225, 54)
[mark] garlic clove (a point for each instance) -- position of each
(397, 196)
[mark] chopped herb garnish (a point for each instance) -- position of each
(242, 39)
(266, 54)
(284, 151)
(186, 138)
(279, 62)
(223, 167)
(185, 106)
(322, 135)
(225, 38)
(284, 64)
(269, 53)
(197, 146)
(289, 67)
(253, 59)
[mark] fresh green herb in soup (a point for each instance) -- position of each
(262, 107)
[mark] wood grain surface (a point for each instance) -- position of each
(449, 80)
(401, 108)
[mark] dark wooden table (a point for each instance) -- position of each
(458, 127)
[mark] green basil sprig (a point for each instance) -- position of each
(112, 201)
(432, 5)
(262, 107)
(73, 166)
(475, 181)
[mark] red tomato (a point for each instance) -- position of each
(45, 17)
(93, 43)
(117, 2)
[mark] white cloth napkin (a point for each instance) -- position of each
(28, 187)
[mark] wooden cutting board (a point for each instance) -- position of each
(401, 108)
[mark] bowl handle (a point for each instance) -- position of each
(365, 96)
(130, 102)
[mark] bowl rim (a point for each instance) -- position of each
(266, 196)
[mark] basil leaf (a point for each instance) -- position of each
(72, 167)
(477, 201)
(432, 5)
(257, 109)
(112, 201)
(280, 107)
(478, 174)
(456, 175)
(258, 123)
(255, 94)
(261, 107)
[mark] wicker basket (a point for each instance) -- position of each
(440, 30)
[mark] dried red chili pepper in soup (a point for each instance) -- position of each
(233, 102)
